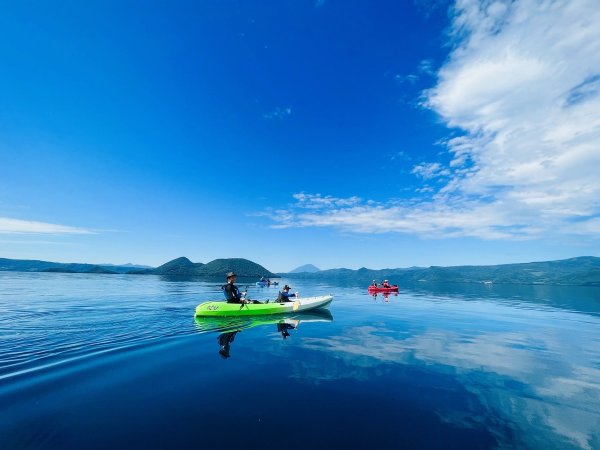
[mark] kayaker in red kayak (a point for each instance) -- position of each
(385, 287)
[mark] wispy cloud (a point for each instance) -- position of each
(432, 219)
(522, 83)
(278, 113)
(424, 68)
(430, 170)
(17, 226)
(412, 78)
(317, 201)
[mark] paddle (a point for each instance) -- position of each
(296, 304)
(244, 297)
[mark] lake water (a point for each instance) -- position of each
(111, 361)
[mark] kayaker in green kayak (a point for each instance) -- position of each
(284, 296)
(232, 293)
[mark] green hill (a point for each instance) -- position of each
(178, 266)
(217, 268)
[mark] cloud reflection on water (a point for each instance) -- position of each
(534, 378)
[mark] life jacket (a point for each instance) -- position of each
(234, 290)
(282, 298)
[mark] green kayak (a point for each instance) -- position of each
(211, 309)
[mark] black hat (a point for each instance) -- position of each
(286, 287)
(231, 274)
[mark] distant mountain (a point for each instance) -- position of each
(308, 268)
(583, 271)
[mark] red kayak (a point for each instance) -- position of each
(393, 288)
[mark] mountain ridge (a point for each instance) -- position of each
(579, 271)
(181, 266)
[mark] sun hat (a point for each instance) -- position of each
(231, 274)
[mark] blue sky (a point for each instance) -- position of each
(342, 134)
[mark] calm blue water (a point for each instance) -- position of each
(109, 361)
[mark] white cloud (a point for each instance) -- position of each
(430, 170)
(17, 226)
(317, 201)
(426, 67)
(278, 113)
(523, 84)
(412, 79)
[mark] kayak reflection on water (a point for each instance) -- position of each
(385, 295)
(225, 339)
(230, 327)
(283, 329)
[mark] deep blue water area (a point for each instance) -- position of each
(118, 361)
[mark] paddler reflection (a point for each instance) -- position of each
(225, 340)
(385, 295)
(283, 329)
(230, 327)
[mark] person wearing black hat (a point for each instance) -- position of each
(284, 296)
(232, 293)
